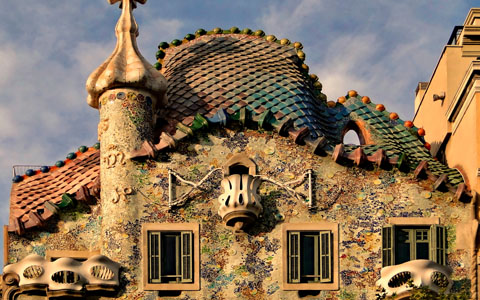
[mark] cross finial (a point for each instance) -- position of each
(126, 67)
(123, 1)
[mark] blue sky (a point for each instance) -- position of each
(48, 48)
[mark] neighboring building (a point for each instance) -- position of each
(446, 107)
(225, 176)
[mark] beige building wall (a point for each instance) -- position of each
(448, 107)
(462, 148)
(432, 115)
(476, 145)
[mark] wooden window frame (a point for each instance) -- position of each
(172, 227)
(437, 252)
(316, 227)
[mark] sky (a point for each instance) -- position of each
(48, 49)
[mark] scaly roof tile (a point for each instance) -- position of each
(30, 194)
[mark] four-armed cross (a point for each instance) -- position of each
(123, 1)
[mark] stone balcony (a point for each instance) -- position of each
(395, 280)
(63, 277)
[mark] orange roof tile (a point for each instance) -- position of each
(28, 198)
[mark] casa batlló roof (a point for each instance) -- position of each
(225, 77)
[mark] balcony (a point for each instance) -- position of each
(455, 36)
(398, 279)
(65, 277)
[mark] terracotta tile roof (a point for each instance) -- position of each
(36, 198)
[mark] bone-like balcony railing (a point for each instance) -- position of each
(421, 272)
(65, 273)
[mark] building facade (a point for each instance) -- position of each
(446, 105)
(221, 173)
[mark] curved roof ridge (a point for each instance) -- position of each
(39, 196)
(58, 164)
(393, 135)
(208, 72)
(298, 46)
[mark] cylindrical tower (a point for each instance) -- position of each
(127, 90)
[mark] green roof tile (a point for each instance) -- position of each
(217, 69)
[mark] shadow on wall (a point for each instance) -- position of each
(270, 216)
(439, 149)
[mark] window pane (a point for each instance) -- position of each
(438, 247)
(386, 257)
(308, 255)
(169, 256)
(414, 242)
(186, 267)
(387, 237)
(186, 244)
(440, 237)
(402, 250)
(422, 251)
(294, 244)
(155, 257)
(440, 256)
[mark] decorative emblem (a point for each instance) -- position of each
(113, 157)
(240, 204)
(121, 194)
(102, 127)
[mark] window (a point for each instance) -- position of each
(405, 242)
(171, 256)
(310, 256)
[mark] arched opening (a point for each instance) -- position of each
(239, 164)
(351, 137)
(238, 169)
(353, 134)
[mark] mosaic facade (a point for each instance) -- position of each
(249, 265)
(233, 131)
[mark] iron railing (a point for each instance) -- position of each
(21, 169)
(456, 32)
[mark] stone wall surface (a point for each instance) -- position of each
(249, 265)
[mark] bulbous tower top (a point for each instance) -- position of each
(126, 67)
